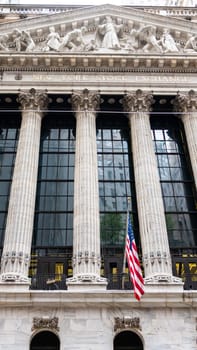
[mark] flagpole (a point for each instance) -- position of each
(124, 258)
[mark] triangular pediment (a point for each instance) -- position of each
(99, 31)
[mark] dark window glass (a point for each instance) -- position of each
(116, 182)
(176, 181)
(54, 202)
(9, 133)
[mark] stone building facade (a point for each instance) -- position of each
(98, 117)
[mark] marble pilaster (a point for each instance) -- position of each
(153, 231)
(86, 240)
(19, 226)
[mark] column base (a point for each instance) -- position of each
(86, 281)
(163, 282)
(11, 277)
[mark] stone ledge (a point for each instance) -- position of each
(154, 299)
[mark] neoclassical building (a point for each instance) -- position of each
(98, 110)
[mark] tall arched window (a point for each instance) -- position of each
(45, 340)
(127, 340)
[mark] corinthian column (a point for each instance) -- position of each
(153, 231)
(19, 226)
(86, 235)
(186, 104)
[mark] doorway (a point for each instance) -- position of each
(127, 340)
(45, 340)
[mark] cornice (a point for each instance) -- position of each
(80, 15)
(23, 11)
(99, 63)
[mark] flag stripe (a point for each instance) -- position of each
(134, 263)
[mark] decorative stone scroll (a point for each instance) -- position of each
(138, 102)
(185, 102)
(32, 99)
(50, 323)
(127, 323)
(86, 100)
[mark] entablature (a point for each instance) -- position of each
(112, 84)
(98, 63)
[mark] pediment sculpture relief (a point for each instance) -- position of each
(107, 36)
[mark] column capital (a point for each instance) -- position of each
(185, 102)
(138, 101)
(33, 99)
(85, 100)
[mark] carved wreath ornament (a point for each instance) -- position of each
(109, 34)
(50, 323)
(126, 323)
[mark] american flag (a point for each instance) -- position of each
(133, 262)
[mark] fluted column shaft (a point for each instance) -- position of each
(86, 241)
(153, 231)
(186, 104)
(19, 226)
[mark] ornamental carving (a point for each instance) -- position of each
(14, 256)
(85, 100)
(45, 323)
(102, 34)
(33, 99)
(126, 322)
(138, 101)
(86, 257)
(185, 102)
(87, 278)
(155, 257)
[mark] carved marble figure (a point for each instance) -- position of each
(168, 43)
(191, 44)
(132, 43)
(16, 35)
(27, 41)
(107, 34)
(4, 42)
(53, 41)
(74, 39)
(91, 46)
(22, 41)
(148, 34)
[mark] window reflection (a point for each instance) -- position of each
(115, 179)
(176, 181)
(54, 204)
(9, 132)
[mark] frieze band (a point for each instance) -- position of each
(108, 34)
